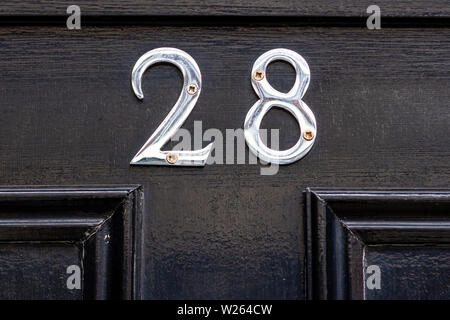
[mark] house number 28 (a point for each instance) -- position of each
(151, 153)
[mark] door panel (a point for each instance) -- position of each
(70, 243)
(410, 272)
(38, 270)
(378, 244)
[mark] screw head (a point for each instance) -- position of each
(192, 89)
(172, 158)
(308, 135)
(258, 75)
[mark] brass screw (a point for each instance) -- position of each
(308, 135)
(172, 158)
(192, 89)
(258, 75)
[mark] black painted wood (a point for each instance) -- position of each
(43, 231)
(298, 8)
(69, 117)
(37, 270)
(405, 233)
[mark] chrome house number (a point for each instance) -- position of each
(291, 101)
(151, 153)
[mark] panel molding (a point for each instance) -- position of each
(341, 223)
(105, 222)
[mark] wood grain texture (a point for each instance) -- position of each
(69, 117)
(30, 271)
(410, 273)
(298, 8)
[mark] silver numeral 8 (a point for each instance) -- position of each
(291, 101)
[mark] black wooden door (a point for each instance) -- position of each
(71, 204)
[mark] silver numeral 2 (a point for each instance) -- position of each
(150, 153)
(291, 101)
